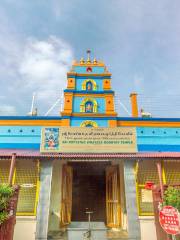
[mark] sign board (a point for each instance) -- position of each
(169, 219)
(146, 196)
(27, 185)
(87, 140)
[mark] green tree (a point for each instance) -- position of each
(172, 197)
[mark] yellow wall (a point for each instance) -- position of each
(106, 84)
(109, 103)
(30, 122)
(66, 122)
(68, 100)
(71, 83)
(112, 123)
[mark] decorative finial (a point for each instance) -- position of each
(88, 53)
(82, 61)
(105, 69)
(95, 61)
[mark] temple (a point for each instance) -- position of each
(88, 161)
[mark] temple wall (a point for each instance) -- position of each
(82, 69)
(25, 228)
(148, 231)
(148, 138)
(20, 137)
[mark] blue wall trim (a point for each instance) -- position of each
(46, 118)
(89, 117)
(158, 148)
(132, 119)
(89, 92)
(141, 148)
(87, 77)
(20, 145)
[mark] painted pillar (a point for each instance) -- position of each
(122, 197)
(159, 169)
(12, 169)
(54, 217)
(133, 223)
(44, 200)
(134, 105)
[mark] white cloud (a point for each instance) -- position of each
(44, 65)
(7, 110)
(30, 65)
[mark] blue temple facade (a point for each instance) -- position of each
(48, 205)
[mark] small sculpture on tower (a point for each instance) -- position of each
(88, 53)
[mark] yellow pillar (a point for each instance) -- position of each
(68, 101)
(71, 83)
(134, 105)
(109, 103)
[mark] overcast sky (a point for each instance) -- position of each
(139, 41)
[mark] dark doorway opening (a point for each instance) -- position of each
(89, 191)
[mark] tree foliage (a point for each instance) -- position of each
(6, 193)
(172, 197)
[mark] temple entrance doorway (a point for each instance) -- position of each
(91, 186)
(89, 191)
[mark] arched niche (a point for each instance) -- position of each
(89, 123)
(89, 85)
(88, 105)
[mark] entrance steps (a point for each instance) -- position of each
(79, 230)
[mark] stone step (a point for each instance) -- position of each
(85, 225)
(76, 231)
(80, 231)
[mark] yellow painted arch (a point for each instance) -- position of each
(88, 122)
(83, 104)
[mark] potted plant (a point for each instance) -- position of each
(8, 206)
(6, 192)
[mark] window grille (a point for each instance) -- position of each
(172, 172)
(27, 176)
(147, 171)
(4, 170)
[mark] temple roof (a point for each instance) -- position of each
(92, 156)
(89, 62)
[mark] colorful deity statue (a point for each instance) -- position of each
(89, 107)
(89, 86)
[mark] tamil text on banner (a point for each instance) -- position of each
(97, 140)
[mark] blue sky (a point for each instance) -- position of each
(137, 39)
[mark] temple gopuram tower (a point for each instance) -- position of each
(88, 98)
